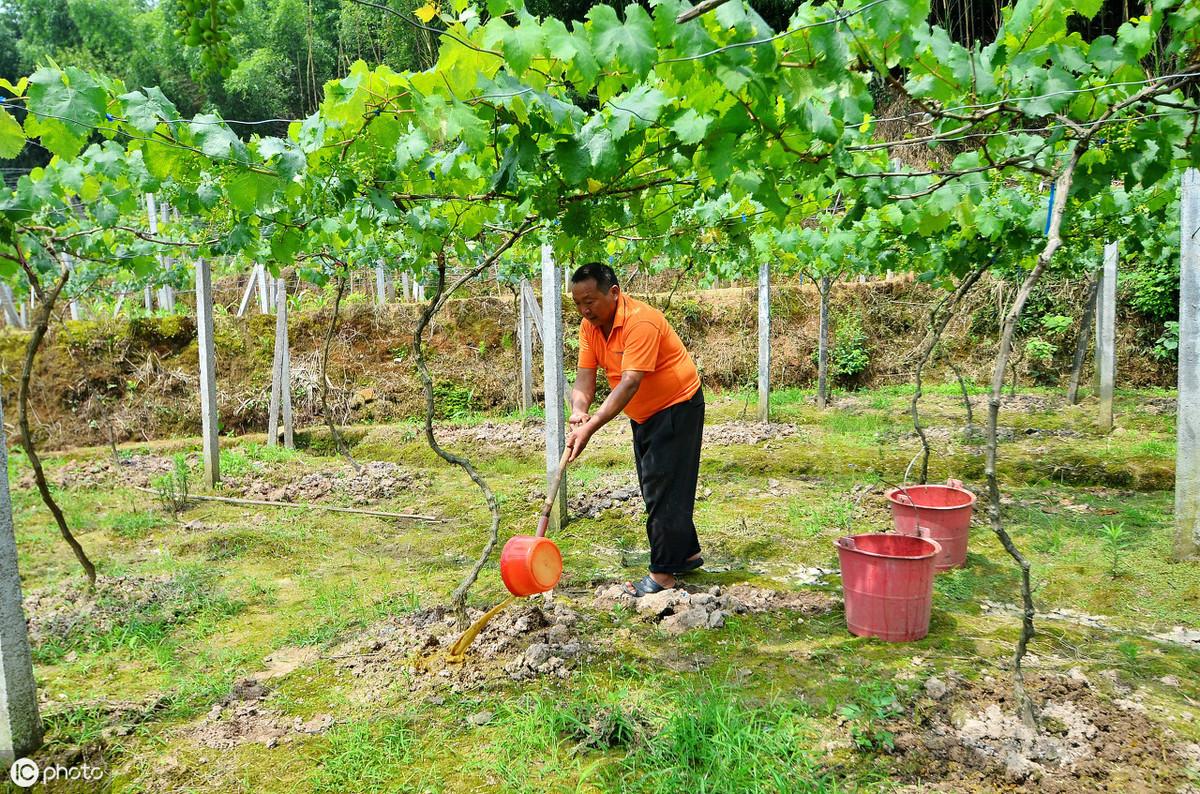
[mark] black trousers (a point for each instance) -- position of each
(666, 448)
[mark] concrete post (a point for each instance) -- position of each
(168, 292)
(1106, 352)
(248, 292)
(764, 342)
(525, 339)
(380, 284)
(264, 291)
(276, 378)
(1187, 425)
(20, 726)
(10, 307)
(285, 373)
(152, 218)
(552, 377)
(208, 374)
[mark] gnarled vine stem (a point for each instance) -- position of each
(458, 600)
(939, 318)
(339, 442)
(41, 324)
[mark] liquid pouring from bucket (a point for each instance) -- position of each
(529, 564)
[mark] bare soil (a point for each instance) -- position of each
(966, 736)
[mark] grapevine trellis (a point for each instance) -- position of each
(632, 136)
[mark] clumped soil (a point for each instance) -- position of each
(531, 638)
(966, 736)
(683, 609)
(139, 470)
(374, 481)
(67, 611)
(242, 717)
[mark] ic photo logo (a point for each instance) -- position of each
(26, 773)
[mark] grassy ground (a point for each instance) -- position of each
(770, 702)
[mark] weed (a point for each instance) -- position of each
(264, 453)
(849, 356)
(234, 463)
(453, 401)
(1048, 541)
(1129, 650)
(172, 488)
(145, 621)
(872, 706)
(1114, 540)
(956, 585)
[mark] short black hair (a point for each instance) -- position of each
(604, 276)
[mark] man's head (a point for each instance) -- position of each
(596, 291)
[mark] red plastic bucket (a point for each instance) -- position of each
(530, 564)
(887, 581)
(944, 510)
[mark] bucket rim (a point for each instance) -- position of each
(890, 495)
(937, 547)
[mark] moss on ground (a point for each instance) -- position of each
(764, 699)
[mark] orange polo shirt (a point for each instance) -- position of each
(641, 340)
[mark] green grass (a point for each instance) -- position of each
(712, 742)
(131, 526)
(365, 756)
(756, 706)
(145, 624)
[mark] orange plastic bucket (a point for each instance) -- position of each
(530, 564)
(887, 581)
(944, 510)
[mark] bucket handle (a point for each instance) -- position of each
(903, 487)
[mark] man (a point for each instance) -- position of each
(655, 382)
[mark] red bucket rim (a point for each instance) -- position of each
(890, 494)
(936, 547)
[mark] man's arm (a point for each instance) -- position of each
(582, 395)
(616, 401)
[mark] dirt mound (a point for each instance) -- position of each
(593, 499)
(679, 609)
(1084, 742)
(527, 640)
(527, 434)
(729, 433)
(65, 611)
(375, 481)
(242, 718)
(139, 470)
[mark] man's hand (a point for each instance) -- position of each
(578, 418)
(578, 440)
